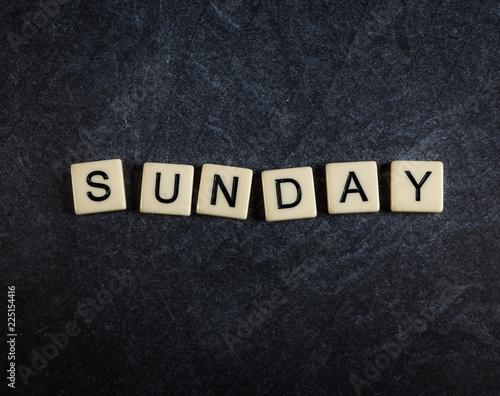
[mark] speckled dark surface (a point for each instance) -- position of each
(261, 85)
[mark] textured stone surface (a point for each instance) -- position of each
(261, 85)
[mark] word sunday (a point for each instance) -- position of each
(352, 187)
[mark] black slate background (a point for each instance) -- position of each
(262, 85)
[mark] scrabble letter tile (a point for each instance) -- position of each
(289, 194)
(417, 186)
(167, 189)
(98, 186)
(224, 191)
(352, 187)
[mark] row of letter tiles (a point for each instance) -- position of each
(352, 187)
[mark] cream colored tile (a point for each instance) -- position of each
(224, 191)
(167, 189)
(289, 194)
(417, 186)
(352, 187)
(98, 186)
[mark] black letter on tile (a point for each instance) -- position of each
(157, 189)
(231, 199)
(352, 176)
(98, 185)
(281, 205)
(418, 186)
